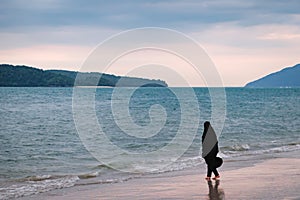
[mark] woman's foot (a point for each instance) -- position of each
(216, 177)
(207, 178)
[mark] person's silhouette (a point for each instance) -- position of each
(210, 150)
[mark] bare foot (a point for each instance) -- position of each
(207, 178)
(216, 177)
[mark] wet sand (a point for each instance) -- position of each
(271, 179)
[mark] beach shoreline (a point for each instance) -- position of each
(273, 178)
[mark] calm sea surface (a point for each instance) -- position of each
(40, 149)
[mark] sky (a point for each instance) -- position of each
(245, 39)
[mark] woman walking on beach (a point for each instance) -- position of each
(210, 150)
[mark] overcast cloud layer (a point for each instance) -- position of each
(124, 14)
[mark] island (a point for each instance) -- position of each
(26, 76)
(286, 78)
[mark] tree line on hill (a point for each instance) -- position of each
(25, 76)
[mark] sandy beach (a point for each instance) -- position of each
(271, 179)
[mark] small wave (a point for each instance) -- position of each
(89, 175)
(222, 155)
(183, 163)
(237, 147)
(105, 181)
(37, 178)
(103, 166)
(285, 148)
(294, 144)
(36, 184)
(240, 147)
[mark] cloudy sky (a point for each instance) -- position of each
(246, 39)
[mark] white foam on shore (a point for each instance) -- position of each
(35, 185)
(44, 183)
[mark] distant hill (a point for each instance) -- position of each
(24, 76)
(288, 77)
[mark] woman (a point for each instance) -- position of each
(210, 150)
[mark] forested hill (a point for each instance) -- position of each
(287, 77)
(25, 76)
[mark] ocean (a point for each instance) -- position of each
(46, 145)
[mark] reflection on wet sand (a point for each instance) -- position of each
(215, 193)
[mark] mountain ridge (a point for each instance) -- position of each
(287, 77)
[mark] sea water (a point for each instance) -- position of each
(41, 150)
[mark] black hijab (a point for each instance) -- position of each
(209, 141)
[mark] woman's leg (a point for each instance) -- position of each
(215, 171)
(209, 171)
